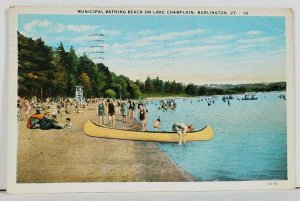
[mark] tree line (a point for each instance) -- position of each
(157, 86)
(44, 71)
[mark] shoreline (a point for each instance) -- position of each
(163, 165)
(68, 155)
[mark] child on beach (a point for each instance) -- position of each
(68, 123)
(55, 113)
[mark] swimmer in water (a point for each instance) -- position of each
(157, 123)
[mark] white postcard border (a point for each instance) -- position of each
(13, 187)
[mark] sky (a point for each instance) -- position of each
(188, 49)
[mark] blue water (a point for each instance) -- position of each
(250, 137)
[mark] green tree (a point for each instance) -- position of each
(134, 90)
(158, 85)
(141, 85)
(179, 88)
(71, 66)
(34, 64)
(86, 83)
(62, 55)
(110, 93)
(191, 89)
(201, 90)
(167, 87)
(149, 87)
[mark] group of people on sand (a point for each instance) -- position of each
(44, 122)
(45, 114)
(108, 108)
(53, 107)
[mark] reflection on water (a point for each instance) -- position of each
(250, 137)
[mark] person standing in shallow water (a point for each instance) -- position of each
(181, 129)
(156, 124)
(101, 112)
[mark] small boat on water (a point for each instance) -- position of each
(94, 130)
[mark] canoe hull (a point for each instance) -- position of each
(94, 130)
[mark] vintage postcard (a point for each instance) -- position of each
(150, 99)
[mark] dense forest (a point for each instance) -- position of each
(44, 71)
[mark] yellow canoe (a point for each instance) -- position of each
(94, 130)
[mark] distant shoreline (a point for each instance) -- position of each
(184, 97)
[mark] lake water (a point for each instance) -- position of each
(250, 137)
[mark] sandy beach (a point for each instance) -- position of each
(68, 155)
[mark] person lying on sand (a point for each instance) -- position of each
(46, 124)
(181, 129)
(42, 121)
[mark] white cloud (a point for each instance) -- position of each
(180, 52)
(222, 37)
(81, 28)
(37, 25)
(109, 32)
(276, 52)
(180, 42)
(171, 35)
(144, 33)
(198, 50)
(217, 38)
(24, 33)
(254, 32)
(245, 47)
(45, 23)
(153, 54)
(59, 27)
(148, 40)
(256, 40)
(82, 50)
(29, 27)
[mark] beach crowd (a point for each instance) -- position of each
(106, 110)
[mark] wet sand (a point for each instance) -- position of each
(68, 155)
